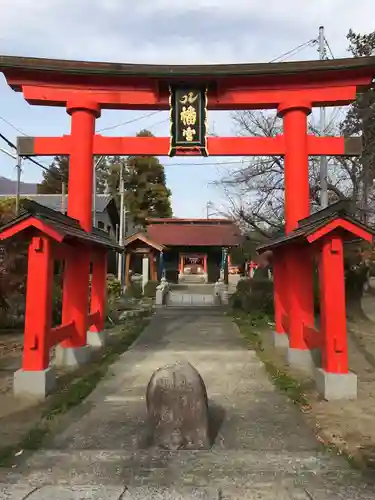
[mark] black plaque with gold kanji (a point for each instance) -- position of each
(188, 116)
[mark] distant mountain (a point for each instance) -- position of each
(7, 186)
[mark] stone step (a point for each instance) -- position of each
(151, 467)
(192, 278)
(185, 299)
(268, 490)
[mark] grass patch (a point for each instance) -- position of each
(251, 327)
(74, 388)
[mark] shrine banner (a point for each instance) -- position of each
(188, 119)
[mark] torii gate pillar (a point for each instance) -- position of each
(298, 278)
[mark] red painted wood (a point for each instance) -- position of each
(296, 164)
(345, 227)
(38, 305)
(332, 305)
(75, 295)
(205, 263)
(280, 281)
(61, 333)
(92, 321)
(299, 289)
(285, 322)
(217, 146)
(232, 94)
(31, 222)
(98, 291)
(238, 98)
(85, 96)
(81, 164)
(313, 337)
(51, 146)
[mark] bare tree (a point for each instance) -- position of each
(255, 191)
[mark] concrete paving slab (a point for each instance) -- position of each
(15, 492)
(262, 446)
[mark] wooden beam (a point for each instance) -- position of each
(217, 146)
(146, 95)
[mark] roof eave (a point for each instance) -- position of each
(11, 64)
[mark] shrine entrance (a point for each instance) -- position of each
(188, 92)
(193, 264)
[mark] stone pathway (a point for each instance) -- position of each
(191, 295)
(263, 449)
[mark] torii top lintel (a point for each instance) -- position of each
(231, 86)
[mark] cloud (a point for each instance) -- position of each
(162, 31)
(173, 31)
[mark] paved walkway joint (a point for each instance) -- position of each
(262, 447)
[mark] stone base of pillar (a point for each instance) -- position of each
(304, 359)
(336, 386)
(97, 339)
(225, 296)
(205, 277)
(71, 357)
(34, 384)
(280, 340)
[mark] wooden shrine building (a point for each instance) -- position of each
(183, 250)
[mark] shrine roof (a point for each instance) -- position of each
(337, 216)
(358, 66)
(177, 220)
(195, 232)
(143, 237)
(65, 228)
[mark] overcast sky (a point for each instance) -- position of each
(162, 31)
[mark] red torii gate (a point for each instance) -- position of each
(86, 88)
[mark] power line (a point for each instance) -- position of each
(13, 126)
(13, 146)
(111, 127)
(291, 52)
(219, 164)
(329, 48)
(284, 56)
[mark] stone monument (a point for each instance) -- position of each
(177, 408)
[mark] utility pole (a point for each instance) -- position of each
(63, 194)
(18, 182)
(323, 159)
(209, 205)
(121, 228)
(96, 165)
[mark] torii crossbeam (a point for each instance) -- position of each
(84, 89)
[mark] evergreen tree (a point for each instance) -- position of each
(55, 176)
(360, 119)
(145, 186)
(58, 173)
(146, 193)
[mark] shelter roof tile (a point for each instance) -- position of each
(68, 227)
(199, 233)
(316, 221)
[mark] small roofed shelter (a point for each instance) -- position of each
(319, 237)
(183, 250)
(53, 236)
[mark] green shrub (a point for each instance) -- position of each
(260, 274)
(113, 288)
(235, 301)
(253, 296)
(56, 303)
(150, 289)
(134, 290)
(244, 285)
(316, 293)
